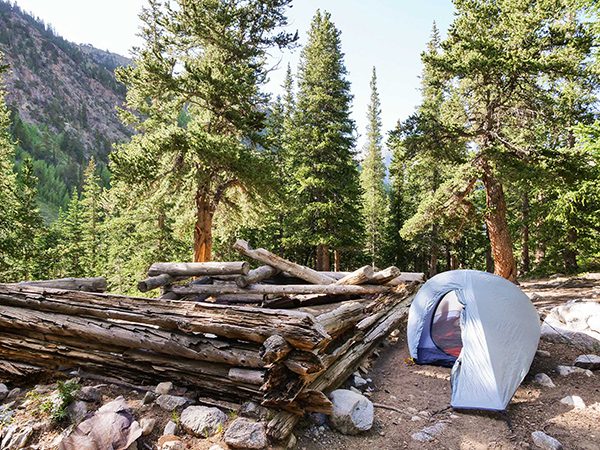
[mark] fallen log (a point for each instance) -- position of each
(266, 257)
(155, 282)
(407, 277)
(95, 284)
(199, 268)
(333, 289)
(301, 330)
(383, 276)
(359, 276)
(256, 275)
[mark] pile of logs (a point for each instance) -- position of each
(285, 357)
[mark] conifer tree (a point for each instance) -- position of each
(72, 247)
(326, 180)
(193, 96)
(372, 180)
(92, 216)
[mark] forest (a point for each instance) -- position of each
(497, 169)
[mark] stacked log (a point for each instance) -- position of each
(307, 332)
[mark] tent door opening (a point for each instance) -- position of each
(445, 325)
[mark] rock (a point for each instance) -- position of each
(543, 380)
(568, 370)
(534, 296)
(3, 391)
(163, 388)
(318, 418)
(291, 442)
(358, 382)
(543, 353)
(170, 443)
(247, 434)
(77, 411)
(577, 321)
(428, 434)
(416, 418)
(14, 393)
(170, 428)
(89, 394)
(202, 421)
(591, 362)
(149, 398)
(542, 440)
(352, 413)
(147, 424)
(253, 410)
(15, 437)
(170, 402)
(574, 401)
(215, 447)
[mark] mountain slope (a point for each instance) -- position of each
(63, 97)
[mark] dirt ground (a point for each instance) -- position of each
(420, 397)
(422, 394)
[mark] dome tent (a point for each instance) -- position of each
(483, 326)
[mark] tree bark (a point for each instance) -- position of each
(203, 228)
(334, 289)
(497, 224)
(433, 252)
(336, 260)
(570, 251)
(525, 259)
(199, 268)
(97, 284)
(323, 261)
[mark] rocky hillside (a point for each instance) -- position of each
(63, 97)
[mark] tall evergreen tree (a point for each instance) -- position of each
(372, 180)
(196, 103)
(92, 216)
(326, 181)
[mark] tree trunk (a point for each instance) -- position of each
(336, 260)
(203, 228)
(497, 225)
(323, 262)
(525, 259)
(433, 252)
(570, 252)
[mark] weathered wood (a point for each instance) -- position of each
(333, 289)
(407, 277)
(342, 318)
(199, 268)
(248, 376)
(239, 298)
(256, 275)
(94, 284)
(274, 349)
(235, 322)
(283, 423)
(359, 276)
(266, 257)
(383, 276)
(154, 282)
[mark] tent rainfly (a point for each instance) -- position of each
(481, 325)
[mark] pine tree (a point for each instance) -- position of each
(196, 103)
(71, 245)
(372, 180)
(92, 216)
(326, 180)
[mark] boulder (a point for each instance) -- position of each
(591, 362)
(246, 434)
(542, 440)
(577, 322)
(89, 394)
(253, 410)
(574, 401)
(352, 413)
(147, 424)
(15, 437)
(163, 388)
(77, 411)
(543, 380)
(569, 370)
(170, 402)
(170, 428)
(202, 421)
(428, 434)
(3, 391)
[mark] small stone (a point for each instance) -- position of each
(454, 416)
(291, 442)
(352, 413)
(411, 410)
(215, 447)
(89, 394)
(542, 440)
(174, 444)
(77, 411)
(163, 388)
(147, 424)
(253, 410)
(428, 434)
(14, 393)
(574, 401)
(318, 418)
(149, 398)
(416, 418)
(543, 353)
(568, 370)
(3, 391)
(170, 428)
(424, 413)
(359, 382)
(170, 402)
(543, 380)
(591, 362)
(202, 421)
(246, 434)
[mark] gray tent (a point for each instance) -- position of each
(483, 326)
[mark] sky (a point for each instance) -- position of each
(387, 34)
